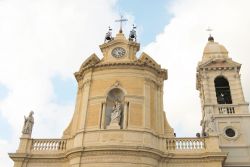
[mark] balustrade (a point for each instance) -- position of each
(186, 144)
(48, 144)
(174, 144)
(226, 109)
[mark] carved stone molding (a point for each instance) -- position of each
(82, 84)
(116, 84)
(87, 82)
(147, 80)
(158, 82)
(162, 73)
(116, 151)
(237, 75)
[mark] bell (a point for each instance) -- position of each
(108, 38)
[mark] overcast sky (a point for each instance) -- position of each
(43, 42)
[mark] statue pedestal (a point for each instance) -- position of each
(113, 125)
(25, 144)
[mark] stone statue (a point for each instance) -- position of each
(209, 123)
(28, 124)
(116, 112)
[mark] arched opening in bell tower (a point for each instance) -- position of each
(114, 107)
(222, 89)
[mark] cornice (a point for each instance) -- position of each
(197, 157)
(39, 157)
(117, 41)
(218, 68)
(123, 65)
(225, 64)
(121, 150)
(116, 150)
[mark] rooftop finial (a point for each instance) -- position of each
(121, 20)
(210, 38)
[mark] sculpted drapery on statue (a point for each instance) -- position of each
(116, 112)
(28, 124)
(114, 108)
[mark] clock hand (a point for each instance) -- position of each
(116, 52)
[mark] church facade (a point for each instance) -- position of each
(119, 119)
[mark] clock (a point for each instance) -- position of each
(118, 52)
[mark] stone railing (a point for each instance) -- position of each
(48, 145)
(226, 108)
(185, 144)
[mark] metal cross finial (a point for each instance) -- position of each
(134, 27)
(121, 20)
(210, 38)
(209, 30)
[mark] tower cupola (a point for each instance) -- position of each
(214, 50)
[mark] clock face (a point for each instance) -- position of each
(118, 52)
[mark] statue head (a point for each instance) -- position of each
(117, 100)
(31, 113)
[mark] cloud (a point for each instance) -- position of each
(41, 40)
(179, 48)
(4, 145)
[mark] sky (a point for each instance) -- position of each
(43, 42)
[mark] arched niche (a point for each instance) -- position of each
(114, 96)
(222, 89)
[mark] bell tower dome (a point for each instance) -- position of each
(214, 50)
(225, 112)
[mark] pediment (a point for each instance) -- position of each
(90, 61)
(146, 59)
(219, 63)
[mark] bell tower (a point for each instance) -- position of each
(225, 112)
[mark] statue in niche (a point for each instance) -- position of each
(116, 112)
(28, 124)
(114, 108)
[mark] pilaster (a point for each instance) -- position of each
(83, 116)
(147, 103)
(125, 115)
(103, 123)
